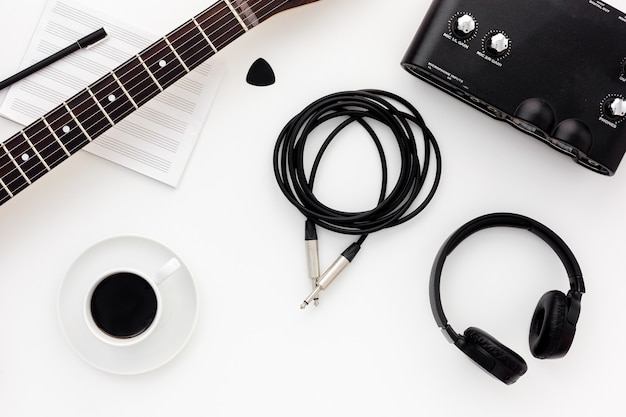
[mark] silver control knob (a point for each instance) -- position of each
(617, 107)
(499, 43)
(466, 24)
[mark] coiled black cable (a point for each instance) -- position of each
(393, 208)
(349, 107)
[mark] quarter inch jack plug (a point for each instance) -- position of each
(331, 273)
(312, 255)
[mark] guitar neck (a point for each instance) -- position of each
(49, 141)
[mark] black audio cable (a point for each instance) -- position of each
(394, 207)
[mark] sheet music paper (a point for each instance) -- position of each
(158, 138)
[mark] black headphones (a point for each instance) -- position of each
(553, 324)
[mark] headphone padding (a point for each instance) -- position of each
(497, 350)
(550, 336)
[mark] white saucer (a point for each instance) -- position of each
(180, 306)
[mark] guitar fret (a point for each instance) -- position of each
(176, 54)
(114, 102)
(162, 64)
(228, 29)
(5, 193)
(45, 144)
(16, 164)
(124, 90)
(32, 146)
(156, 82)
(80, 126)
(23, 155)
(100, 106)
(232, 9)
(247, 11)
(138, 81)
(206, 37)
(66, 128)
(56, 138)
(87, 115)
(190, 45)
(12, 179)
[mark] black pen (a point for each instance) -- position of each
(85, 42)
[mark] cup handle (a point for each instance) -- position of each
(166, 271)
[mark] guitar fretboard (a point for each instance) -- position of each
(43, 145)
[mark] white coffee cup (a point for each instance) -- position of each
(124, 306)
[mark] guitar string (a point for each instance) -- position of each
(126, 113)
(90, 100)
(48, 135)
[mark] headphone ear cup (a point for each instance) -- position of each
(551, 335)
(493, 356)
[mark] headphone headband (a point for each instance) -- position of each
(564, 253)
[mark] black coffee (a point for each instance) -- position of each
(123, 305)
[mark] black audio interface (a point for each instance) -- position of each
(555, 69)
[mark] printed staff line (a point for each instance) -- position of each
(26, 109)
(62, 78)
(133, 153)
(111, 52)
(204, 69)
(77, 60)
(162, 120)
(176, 102)
(87, 65)
(190, 86)
(78, 16)
(147, 135)
(62, 32)
(41, 91)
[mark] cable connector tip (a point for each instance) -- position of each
(311, 297)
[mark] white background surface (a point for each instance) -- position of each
(372, 347)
